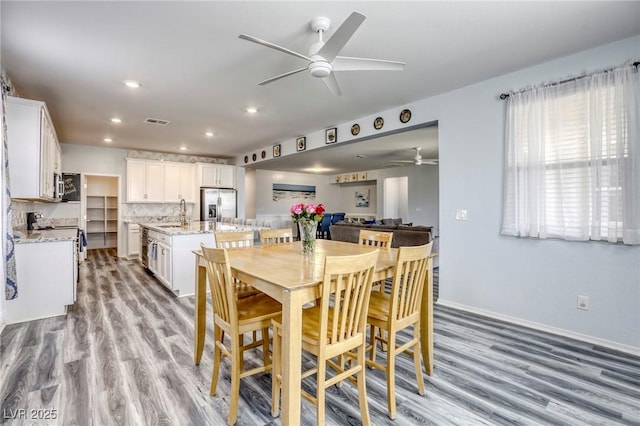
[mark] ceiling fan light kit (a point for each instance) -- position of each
(323, 57)
(320, 69)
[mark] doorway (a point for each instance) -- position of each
(101, 214)
(395, 192)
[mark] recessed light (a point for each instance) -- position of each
(252, 110)
(183, 148)
(209, 134)
(133, 84)
(108, 140)
(116, 120)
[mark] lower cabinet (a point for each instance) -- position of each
(46, 283)
(160, 261)
(133, 240)
(172, 261)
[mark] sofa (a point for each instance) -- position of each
(403, 235)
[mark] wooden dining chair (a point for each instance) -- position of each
(335, 326)
(235, 317)
(276, 236)
(391, 313)
(375, 238)
(233, 239)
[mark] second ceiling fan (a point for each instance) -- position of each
(323, 57)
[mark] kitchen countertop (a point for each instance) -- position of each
(44, 235)
(196, 227)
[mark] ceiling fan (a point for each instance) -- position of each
(418, 160)
(323, 57)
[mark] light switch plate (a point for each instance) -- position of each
(461, 214)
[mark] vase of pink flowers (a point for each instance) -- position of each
(307, 216)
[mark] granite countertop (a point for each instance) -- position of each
(196, 227)
(22, 236)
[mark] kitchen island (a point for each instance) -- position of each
(170, 248)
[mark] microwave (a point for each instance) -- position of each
(58, 186)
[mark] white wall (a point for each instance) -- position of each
(423, 193)
(533, 280)
(249, 193)
(99, 161)
(347, 202)
(326, 193)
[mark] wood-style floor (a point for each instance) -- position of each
(123, 356)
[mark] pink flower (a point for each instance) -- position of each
(296, 208)
(311, 209)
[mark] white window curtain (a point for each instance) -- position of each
(572, 162)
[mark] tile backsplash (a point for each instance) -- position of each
(165, 212)
(128, 211)
(20, 209)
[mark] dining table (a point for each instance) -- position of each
(284, 273)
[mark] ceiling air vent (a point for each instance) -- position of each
(156, 121)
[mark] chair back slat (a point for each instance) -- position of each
(374, 238)
(220, 283)
(233, 239)
(345, 297)
(276, 236)
(408, 281)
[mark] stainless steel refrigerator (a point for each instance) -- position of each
(216, 203)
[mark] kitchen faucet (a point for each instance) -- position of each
(183, 213)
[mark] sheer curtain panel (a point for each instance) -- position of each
(572, 162)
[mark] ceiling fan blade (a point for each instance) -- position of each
(278, 77)
(332, 83)
(346, 63)
(274, 46)
(334, 45)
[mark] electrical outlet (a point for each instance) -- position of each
(583, 302)
(461, 214)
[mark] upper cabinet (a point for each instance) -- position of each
(34, 152)
(150, 181)
(217, 175)
(179, 182)
(145, 181)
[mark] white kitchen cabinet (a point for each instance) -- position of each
(133, 240)
(172, 259)
(145, 181)
(34, 151)
(179, 182)
(160, 259)
(217, 175)
(165, 264)
(46, 282)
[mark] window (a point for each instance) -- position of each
(572, 164)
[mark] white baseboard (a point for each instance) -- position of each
(542, 327)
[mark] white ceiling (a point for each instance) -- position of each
(196, 72)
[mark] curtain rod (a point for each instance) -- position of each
(504, 96)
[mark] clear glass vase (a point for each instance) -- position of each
(308, 236)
